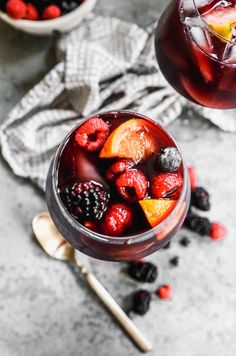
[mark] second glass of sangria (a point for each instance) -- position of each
(196, 50)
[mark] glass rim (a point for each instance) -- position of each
(106, 238)
(209, 28)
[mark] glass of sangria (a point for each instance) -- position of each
(118, 188)
(195, 46)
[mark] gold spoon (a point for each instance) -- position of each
(57, 247)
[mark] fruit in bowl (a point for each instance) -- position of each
(43, 17)
(35, 10)
(118, 188)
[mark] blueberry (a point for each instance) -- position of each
(169, 159)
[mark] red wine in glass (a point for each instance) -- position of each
(195, 46)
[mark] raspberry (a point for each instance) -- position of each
(184, 241)
(141, 301)
(165, 292)
(174, 261)
(118, 218)
(92, 134)
(166, 185)
(85, 200)
(169, 159)
(218, 231)
(132, 185)
(31, 13)
(51, 12)
(198, 224)
(143, 271)
(16, 9)
(193, 177)
(200, 199)
(118, 168)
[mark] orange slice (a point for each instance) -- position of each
(134, 139)
(156, 210)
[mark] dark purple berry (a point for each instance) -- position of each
(167, 245)
(198, 224)
(141, 301)
(184, 241)
(85, 200)
(143, 271)
(169, 159)
(200, 199)
(174, 261)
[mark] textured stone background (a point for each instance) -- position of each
(45, 308)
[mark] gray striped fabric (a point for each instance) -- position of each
(105, 64)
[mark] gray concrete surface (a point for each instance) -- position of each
(47, 310)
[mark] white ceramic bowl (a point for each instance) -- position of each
(64, 23)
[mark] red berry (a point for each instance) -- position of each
(118, 168)
(166, 185)
(132, 185)
(165, 292)
(16, 9)
(31, 13)
(118, 218)
(51, 12)
(218, 231)
(193, 177)
(92, 134)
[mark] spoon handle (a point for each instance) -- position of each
(117, 312)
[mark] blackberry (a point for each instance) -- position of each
(184, 241)
(174, 261)
(85, 200)
(169, 159)
(143, 271)
(141, 302)
(200, 199)
(167, 245)
(198, 224)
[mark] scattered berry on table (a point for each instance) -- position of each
(200, 198)
(200, 225)
(16, 9)
(184, 241)
(118, 218)
(174, 261)
(218, 231)
(169, 159)
(166, 185)
(167, 245)
(132, 185)
(119, 167)
(141, 301)
(143, 271)
(92, 134)
(193, 177)
(165, 292)
(85, 200)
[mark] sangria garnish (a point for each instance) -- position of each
(132, 185)
(166, 185)
(118, 218)
(156, 210)
(85, 200)
(169, 159)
